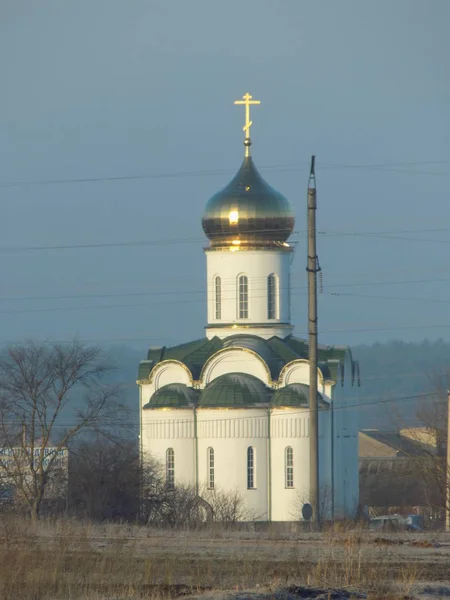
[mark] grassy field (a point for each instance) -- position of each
(79, 561)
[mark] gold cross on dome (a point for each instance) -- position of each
(247, 100)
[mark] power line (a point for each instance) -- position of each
(166, 175)
(206, 173)
(125, 244)
(203, 290)
(383, 165)
(384, 235)
(377, 297)
(360, 405)
(193, 301)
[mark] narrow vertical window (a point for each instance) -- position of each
(170, 468)
(243, 296)
(218, 297)
(250, 468)
(289, 295)
(289, 467)
(272, 297)
(210, 459)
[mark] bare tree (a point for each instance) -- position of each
(432, 467)
(107, 481)
(428, 458)
(177, 507)
(49, 394)
(227, 507)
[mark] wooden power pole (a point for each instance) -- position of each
(312, 269)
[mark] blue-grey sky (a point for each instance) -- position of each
(107, 88)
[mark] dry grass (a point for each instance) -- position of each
(66, 559)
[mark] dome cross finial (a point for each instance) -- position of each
(247, 100)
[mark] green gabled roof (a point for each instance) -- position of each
(276, 352)
(173, 395)
(192, 354)
(300, 347)
(281, 349)
(145, 366)
(238, 390)
(295, 394)
(198, 357)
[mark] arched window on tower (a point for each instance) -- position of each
(243, 297)
(289, 467)
(218, 297)
(272, 297)
(170, 468)
(210, 468)
(251, 468)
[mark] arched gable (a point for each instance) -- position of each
(170, 371)
(235, 360)
(297, 371)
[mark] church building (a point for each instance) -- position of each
(230, 411)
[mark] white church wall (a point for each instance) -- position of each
(170, 371)
(297, 371)
(166, 428)
(230, 433)
(236, 360)
(164, 373)
(257, 265)
(146, 392)
(289, 428)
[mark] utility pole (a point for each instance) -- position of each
(447, 480)
(312, 269)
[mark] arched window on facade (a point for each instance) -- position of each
(251, 468)
(218, 297)
(170, 468)
(289, 467)
(272, 297)
(243, 297)
(210, 468)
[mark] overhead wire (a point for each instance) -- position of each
(385, 235)
(392, 166)
(179, 301)
(202, 291)
(343, 407)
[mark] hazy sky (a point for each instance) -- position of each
(114, 88)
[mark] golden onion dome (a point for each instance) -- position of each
(248, 212)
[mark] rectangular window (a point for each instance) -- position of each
(250, 468)
(271, 297)
(210, 468)
(243, 297)
(218, 297)
(289, 467)
(170, 468)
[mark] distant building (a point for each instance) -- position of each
(230, 411)
(398, 472)
(16, 465)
